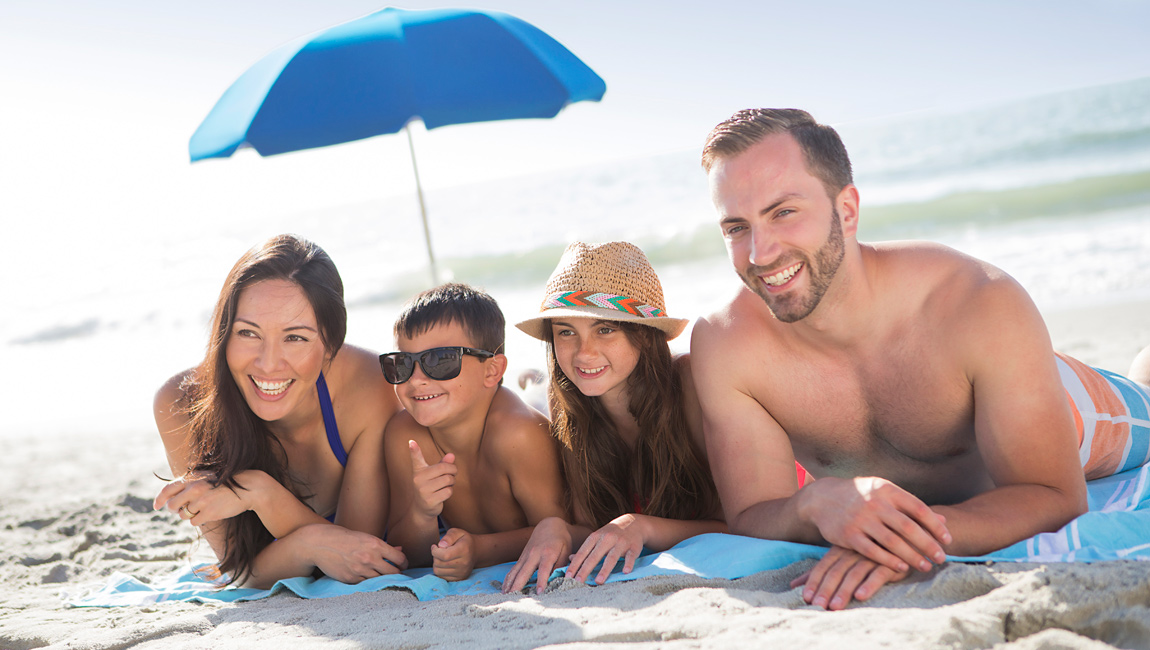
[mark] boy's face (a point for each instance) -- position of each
(440, 403)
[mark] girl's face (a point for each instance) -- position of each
(274, 351)
(596, 356)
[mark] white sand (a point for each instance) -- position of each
(75, 508)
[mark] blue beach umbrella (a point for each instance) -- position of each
(375, 74)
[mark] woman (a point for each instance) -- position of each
(626, 415)
(277, 434)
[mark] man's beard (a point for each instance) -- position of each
(791, 307)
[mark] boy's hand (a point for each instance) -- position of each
(453, 557)
(433, 484)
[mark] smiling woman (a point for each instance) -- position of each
(276, 437)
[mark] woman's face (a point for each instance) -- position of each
(274, 351)
(595, 355)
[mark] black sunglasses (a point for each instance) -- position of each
(439, 364)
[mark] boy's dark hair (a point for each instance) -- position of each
(473, 309)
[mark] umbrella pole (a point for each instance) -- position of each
(422, 208)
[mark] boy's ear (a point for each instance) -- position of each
(494, 369)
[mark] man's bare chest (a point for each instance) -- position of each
(882, 415)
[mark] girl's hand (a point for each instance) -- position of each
(548, 548)
(195, 500)
(348, 555)
(623, 537)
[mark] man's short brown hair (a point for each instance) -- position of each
(823, 150)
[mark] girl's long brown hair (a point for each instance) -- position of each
(226, 436)
(665, 473)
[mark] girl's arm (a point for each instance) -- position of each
(627, 535)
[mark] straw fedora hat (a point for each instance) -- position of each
(612, 281)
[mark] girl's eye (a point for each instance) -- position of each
(606, 330)
(564, 333)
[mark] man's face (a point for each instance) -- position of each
(782, 231)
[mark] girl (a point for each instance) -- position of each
(277, 435)
(626, 415)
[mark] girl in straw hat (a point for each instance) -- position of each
(626, 414)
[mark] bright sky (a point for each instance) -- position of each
(101, 97)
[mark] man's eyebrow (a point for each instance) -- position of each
(782, 199)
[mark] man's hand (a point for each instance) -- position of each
(841, 575)
(621, 538)
(548, 548)
(453, 558)
(878, 519)
(433, 484)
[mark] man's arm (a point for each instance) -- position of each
(1023, 424)
(750, 455)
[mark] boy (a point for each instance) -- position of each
(465, 454)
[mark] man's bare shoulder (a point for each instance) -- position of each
(941, 277)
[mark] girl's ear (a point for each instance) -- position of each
(493, 373)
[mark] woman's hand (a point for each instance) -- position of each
(843, 574)
(623, 537)
(348, 555)
(548, 548)
(195, 499)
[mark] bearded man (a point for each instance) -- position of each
(916, 384)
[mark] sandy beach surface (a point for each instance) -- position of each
(76, 507)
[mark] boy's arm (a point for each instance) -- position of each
(409, 527)
(529, 455)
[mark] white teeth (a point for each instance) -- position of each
(592, 371)
(273, 387)
(782, 276)
(424, 398)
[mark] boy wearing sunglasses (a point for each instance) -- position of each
(472, 468)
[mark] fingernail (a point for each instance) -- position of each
(924, 566)
(836, 602)
(820, 602)
(939, 557)
(808, 594)
(902, 566)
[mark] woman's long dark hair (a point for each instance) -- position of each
(226, 436)
(665, 475)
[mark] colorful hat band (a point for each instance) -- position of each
(602, 300)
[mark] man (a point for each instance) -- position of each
(915, 383)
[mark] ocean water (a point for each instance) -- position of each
(1054, 189)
